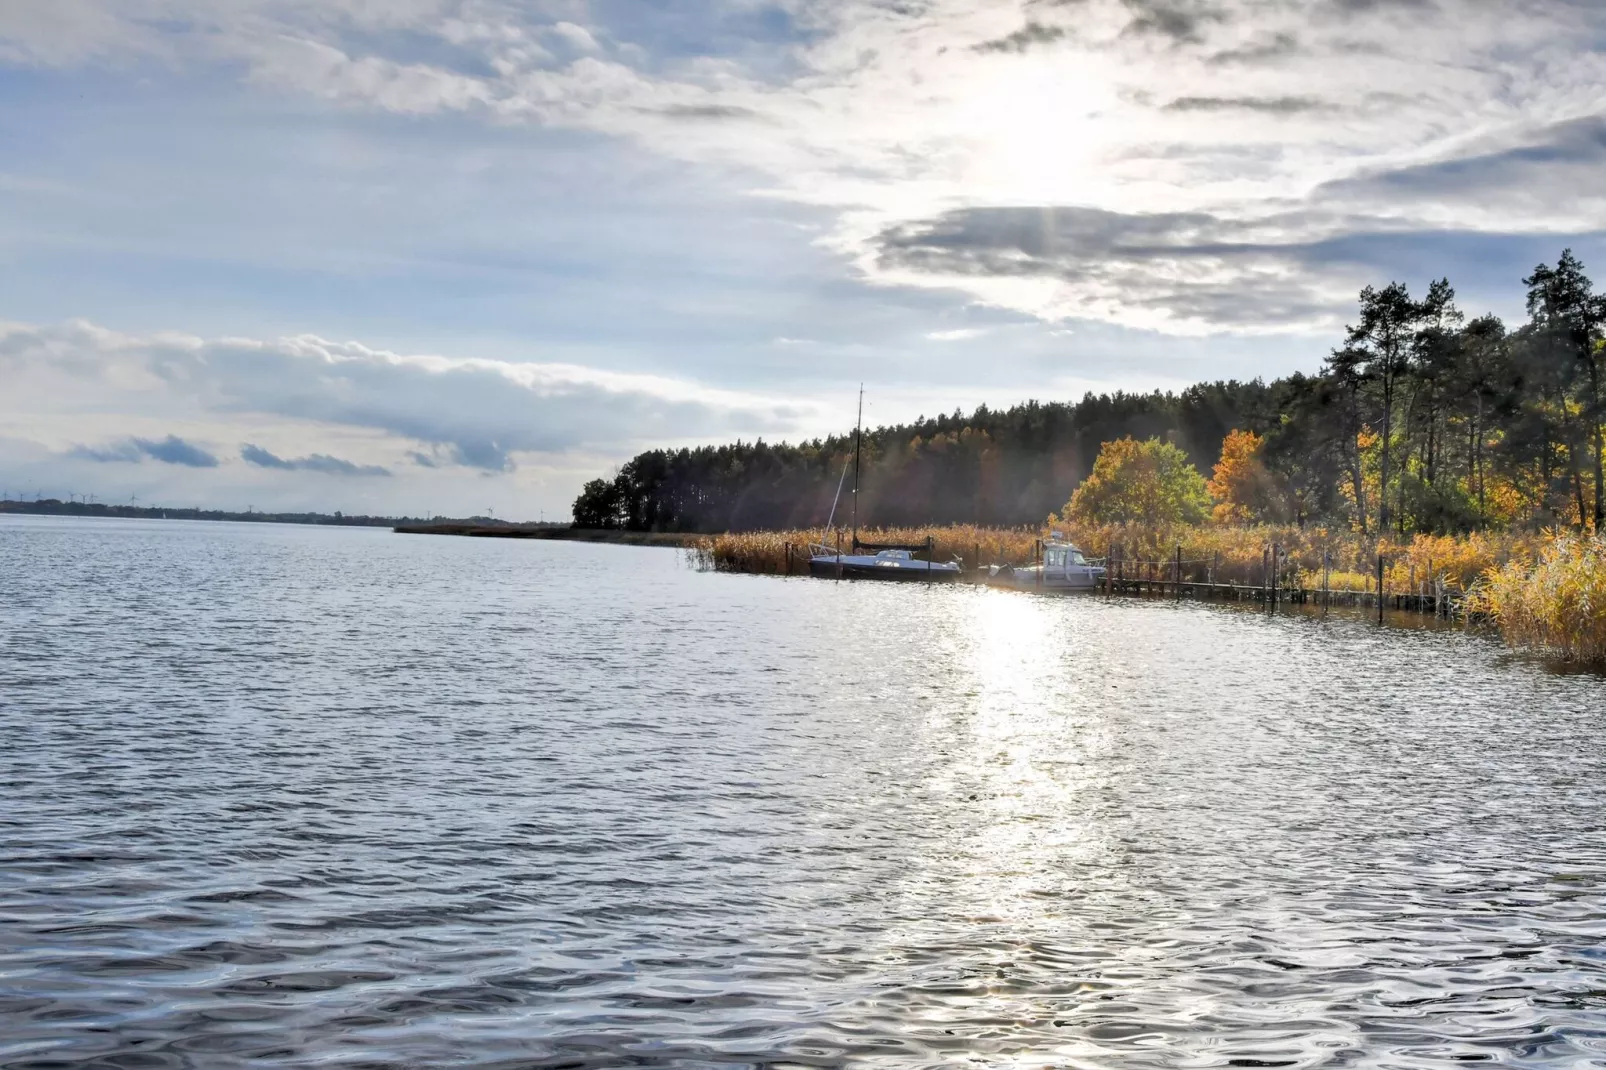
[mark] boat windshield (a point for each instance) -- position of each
(1077, 558)
(894, 555)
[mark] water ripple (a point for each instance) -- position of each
(337, 798)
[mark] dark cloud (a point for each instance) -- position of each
(1177, 21)
(705, 111)
(1181, 265)
(1264, 105)
(486, 454)
(1278, 271)
(1368, 7)
(1571, 150)
(317, 462)
(1031, 238)
(1028, 36)
(1261, 50)
(169, 450)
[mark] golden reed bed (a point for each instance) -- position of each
(1546, 593)
(1223, 554)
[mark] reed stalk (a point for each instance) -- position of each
(1553, 603)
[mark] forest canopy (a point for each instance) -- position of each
(1420, 420)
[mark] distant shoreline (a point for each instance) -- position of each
(562, 533)
(57, 507)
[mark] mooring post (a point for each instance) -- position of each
(1176, 573)
(838, 553)
(931, 551)
(1380, 588)
(1327, 567)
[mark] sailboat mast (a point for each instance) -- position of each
(858, 440)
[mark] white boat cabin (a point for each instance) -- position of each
(1064, 568)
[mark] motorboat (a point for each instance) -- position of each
(1064, 568)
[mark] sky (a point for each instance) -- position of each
(457, 257)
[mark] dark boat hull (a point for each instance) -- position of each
(915, 573)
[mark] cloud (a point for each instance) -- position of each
(1577, 141)
(891, 116)
(1179, 21)
(466, 411)
(577, 37)
(707, 111)
(169, 450)
(317, 462)
(1191, 271)
(1268, 105)
(1028, 36)
(1262, 48)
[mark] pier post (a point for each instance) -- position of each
(1327, 566)
(838, 553)
(1176, 573)
(1380, 588)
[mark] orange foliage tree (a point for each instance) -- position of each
(1243, 487)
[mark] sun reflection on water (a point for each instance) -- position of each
(1016, 781)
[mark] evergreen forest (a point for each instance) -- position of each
(1421, 420)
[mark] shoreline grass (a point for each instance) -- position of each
(1544, 593)
(1217, 553)
(1554, 604)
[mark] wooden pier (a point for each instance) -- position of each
(1433, 604)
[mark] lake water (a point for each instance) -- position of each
(341, 798)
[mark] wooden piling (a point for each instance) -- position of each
(1380, 588)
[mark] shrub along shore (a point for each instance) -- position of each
(1546, 593)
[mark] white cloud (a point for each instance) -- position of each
(577, 37)
(1287, 124)
(484, 414)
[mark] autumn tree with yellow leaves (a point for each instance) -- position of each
(1134, 482)
(1244, 489)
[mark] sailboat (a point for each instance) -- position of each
(884, 560)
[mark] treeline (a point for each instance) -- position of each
(1420, 420)
(57, 507)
